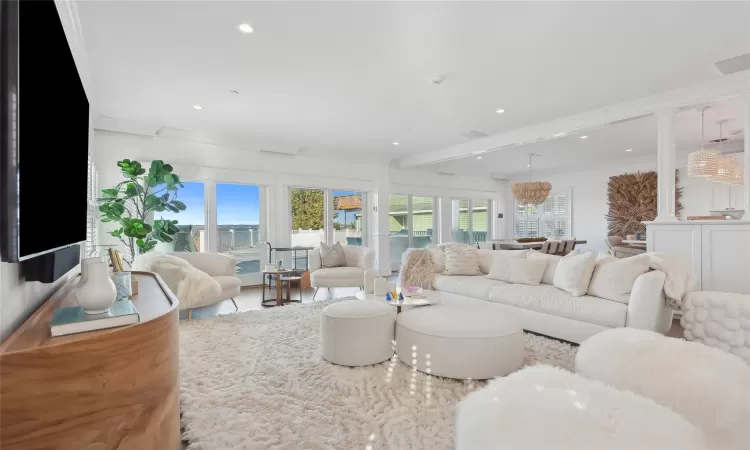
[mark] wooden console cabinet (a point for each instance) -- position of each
(107, 389)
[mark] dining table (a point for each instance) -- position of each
(512, 244)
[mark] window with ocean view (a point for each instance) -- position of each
(238, 225)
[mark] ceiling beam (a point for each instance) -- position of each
(718, 90)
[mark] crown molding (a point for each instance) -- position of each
(722, 89)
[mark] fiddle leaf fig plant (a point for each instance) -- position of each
(132, 203)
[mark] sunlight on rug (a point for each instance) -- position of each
(256, 380)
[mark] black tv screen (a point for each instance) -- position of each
(45, 133)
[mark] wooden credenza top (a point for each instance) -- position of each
(154, 299)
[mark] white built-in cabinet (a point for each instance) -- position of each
(718, 252)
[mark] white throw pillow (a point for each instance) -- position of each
(518, 270)
(438, 258)
(487, 257)
(614, 278)
(574, 272)
(461, 260)
(552, 260)
(332, 255)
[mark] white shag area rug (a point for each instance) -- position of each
(256, 380)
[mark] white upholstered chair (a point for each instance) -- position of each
(358, 259)
(221, 267)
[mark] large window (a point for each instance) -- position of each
(326, 215)
(550, 219)
(413, 221)
(191, 222)
(238, 225)
(471, 220)
(348, 220)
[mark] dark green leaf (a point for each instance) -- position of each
(179, 205)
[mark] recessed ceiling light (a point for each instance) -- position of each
(500, 111)
(628, 149)
(479, 157)
(584, 137)
(395, 143)
(245, 28)
(197, 107)
(528, 165)
(559, 134)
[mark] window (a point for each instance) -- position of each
(471, 220)
(238, 226)
(550, 219)
(348, 220)
(413, 222)
(91, 246)
(191, 222)
(327, 215)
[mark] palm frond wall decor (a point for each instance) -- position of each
(632, 199)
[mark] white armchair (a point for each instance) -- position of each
(220, 267)
(358, 259)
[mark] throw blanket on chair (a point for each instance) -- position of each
(680, 279)
(417, 269)
(192, 284)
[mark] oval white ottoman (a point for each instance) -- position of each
(543, 407)
(707, 386)
(357, 332)
(456, 342)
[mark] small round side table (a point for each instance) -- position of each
(277, 274)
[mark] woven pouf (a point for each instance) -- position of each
(357, 332)
(707, 386)
(459, 342)
(718, 319)
(543, 407)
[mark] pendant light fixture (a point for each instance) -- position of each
(702, 163)
(739, 171)
(531, 192)
(725, 165)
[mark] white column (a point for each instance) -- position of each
(381, 232)
(665, 166)
(746, 157)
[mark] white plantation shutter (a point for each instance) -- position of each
(90, 247)
(550, 219)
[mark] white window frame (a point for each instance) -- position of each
(91, 246)
(568, 216)
(328, 211)
(410, 222)
(470, 216)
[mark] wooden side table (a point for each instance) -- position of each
(280, 276)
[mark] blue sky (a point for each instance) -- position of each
(235, 203)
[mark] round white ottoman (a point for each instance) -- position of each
(459, 342)
(543, 407)
(357, 332)
(707, 386)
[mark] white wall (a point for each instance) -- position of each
(19, 299)
(589, 198)
(196, 161)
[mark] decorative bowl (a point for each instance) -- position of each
(413, 292)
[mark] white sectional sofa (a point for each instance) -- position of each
(548, 310)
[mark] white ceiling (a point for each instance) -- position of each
(343, 78)
(606, 145)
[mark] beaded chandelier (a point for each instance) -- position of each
(703, 163)
(531, 192)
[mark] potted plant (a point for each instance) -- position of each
(133, 201)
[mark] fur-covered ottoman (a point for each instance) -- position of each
(544, 408)
(707, 386)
